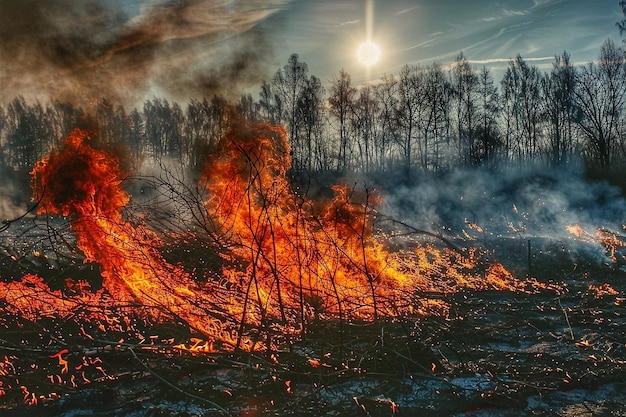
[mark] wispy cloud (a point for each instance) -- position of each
(410, 9)
(350, 22)
(507, 60)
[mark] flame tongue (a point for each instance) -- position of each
(84, 183)
(79, 180)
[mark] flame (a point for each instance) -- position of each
(298, 254)
(611, 241)
(85, 184)
(62, 362)
(292, 259)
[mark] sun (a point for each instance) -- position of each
(368, 53)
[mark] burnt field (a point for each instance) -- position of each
(557, 350)
(240, 294)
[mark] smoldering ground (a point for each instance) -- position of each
(509, 203)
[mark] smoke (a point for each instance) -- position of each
(9, 208)
(529, 203)
(75, 50)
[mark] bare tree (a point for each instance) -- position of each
(341, 102)
(310, 112)
(411, 95)
(364, 123)
(559, 110)
(521, 95)
(488, 130)
(289, 84)
(465, 90)
(386, 95)
(600, 91)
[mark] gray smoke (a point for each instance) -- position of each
(77, 51)
(530, 203)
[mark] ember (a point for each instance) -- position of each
(290, 266)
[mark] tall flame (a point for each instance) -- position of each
(299, 253)
(84, 183)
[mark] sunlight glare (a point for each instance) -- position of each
(368, 53)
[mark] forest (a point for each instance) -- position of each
(422, 120)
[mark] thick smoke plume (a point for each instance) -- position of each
(78, 51)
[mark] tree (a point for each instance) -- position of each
(289, 84)
(364, 124)
(600, 90)
(28, 133)
(436, 125)
(269, 104)
(137, 138)
(248, 108)
(465, 84)
(488, 133)
(310, 110)
(386, 95)
(621, 25)
(341, 103)
(559, 110)
(521, 95)
(411, 96)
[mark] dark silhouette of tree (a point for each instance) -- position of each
(248, 108)
(600, 90)
(310, 116)
(409, 111)
(621, 25)
(288, 84)
(269, 103)
(559, 109)
(465, 91)
(341, 103)
(488, 130)
(521, 95)
(364, 120)
(28, 134)
(436, 125)
(386, 96)
(136, 139)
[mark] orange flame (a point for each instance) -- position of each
(84, 183)
(293, 259)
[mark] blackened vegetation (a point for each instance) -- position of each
(559, 351)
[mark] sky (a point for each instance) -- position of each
(130, 51)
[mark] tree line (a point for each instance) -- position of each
(423, 119)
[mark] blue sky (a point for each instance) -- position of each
(489, 32)
(132, 50)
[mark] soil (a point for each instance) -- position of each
(560, 351)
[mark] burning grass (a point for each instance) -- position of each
(282, 264)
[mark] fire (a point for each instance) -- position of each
(291, 259)
(62, 362)
(300, 255)
(84, 184)
(611, 241)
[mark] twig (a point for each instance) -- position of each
(177, 389)
(569, 325)
(414, 230)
